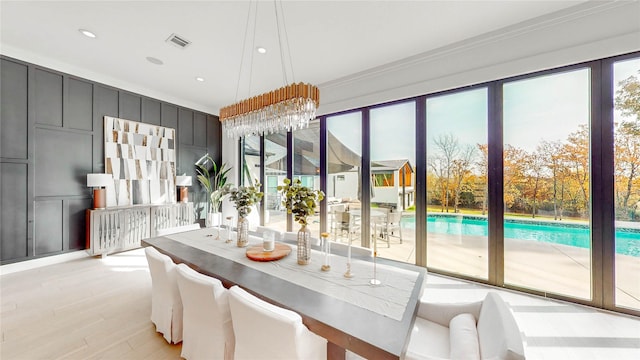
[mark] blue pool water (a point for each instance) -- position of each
(627, 240)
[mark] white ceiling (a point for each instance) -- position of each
(329, 40)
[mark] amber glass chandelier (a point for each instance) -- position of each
(288, 108)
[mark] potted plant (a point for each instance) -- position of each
(213, 182)
(244, 198)
(301, 201)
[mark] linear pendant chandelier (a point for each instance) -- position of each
(288, 108)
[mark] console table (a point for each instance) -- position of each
(122, 228)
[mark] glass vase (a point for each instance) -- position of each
(304, 245)
(242, 231)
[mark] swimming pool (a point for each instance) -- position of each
(627, 240)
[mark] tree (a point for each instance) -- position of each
(514, 176)
(534, 173)
(627, 98)
(442, 164)
(460, 170)
(483, 166)
(627, 146)
(576, 155)
(551, 153)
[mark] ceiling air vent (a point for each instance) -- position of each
(178, 41)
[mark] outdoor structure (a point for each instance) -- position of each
(392, 183)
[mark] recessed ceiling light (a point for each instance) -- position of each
(87, 33)
(201, 79)
(153, 60)
(261, 50)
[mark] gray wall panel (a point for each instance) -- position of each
(62, 161)
(151, 111)
(79, 113)
(130, 106)
(48, 98)
(199, 129)
(13, 206)
(214, 134)
(105, 103)
(185, 127)
(169, 116)
(13, 110)
(48, 230)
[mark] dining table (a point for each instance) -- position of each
(373, 321)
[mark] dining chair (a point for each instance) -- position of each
(207, 331)
(262, 229)
(266, 331)
(166, 304)
(342, 249)
(177, 229)
(345, 221)
(291, 237)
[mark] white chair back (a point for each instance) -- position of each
(265, 331)
(278, 234)
(207, 330)
(166, 304)
(342, 249)
(177, 229)
(291, 237)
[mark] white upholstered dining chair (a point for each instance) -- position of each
(166, 304)
(342, 249)
(207, 332)
(266, 331)
(291, 237)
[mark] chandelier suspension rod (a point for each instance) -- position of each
(253, 44)
(282, 64)
(244, 45)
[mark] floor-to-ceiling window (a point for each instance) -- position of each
(392, 191)
(510, 192)
(306, 166)
(547, 233)
(250, 160)
(457, 182)
(344, 160)
(626, 77)
(275, 163)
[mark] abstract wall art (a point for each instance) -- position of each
(142, 159)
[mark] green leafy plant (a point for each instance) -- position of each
(213, 181)
(244, 197)
(299, 200)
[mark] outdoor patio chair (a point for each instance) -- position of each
(392, 227)
(344, 221)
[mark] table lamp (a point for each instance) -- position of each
(183, 181)
(98, 182)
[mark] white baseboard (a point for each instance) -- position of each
(37, 263)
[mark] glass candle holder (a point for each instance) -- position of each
(268, 242)
(229, 220)
(326, 252)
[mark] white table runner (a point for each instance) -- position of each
(389, 299)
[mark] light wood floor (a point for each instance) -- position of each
(96, 308)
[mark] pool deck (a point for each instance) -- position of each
(553, 268)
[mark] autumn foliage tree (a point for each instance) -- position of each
(554, 177)
(627, 149)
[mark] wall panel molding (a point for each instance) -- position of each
(52, 135)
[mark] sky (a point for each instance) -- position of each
(547, 107)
